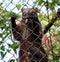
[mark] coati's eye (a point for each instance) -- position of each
(33, 13)
(24, 14)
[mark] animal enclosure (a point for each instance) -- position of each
(43, 36)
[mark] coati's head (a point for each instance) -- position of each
(29, 13)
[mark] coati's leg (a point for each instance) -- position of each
(42, 57)
(23, 56)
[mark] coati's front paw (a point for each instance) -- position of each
(14, 16)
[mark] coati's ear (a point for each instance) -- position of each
(36, 9)
(22, 9)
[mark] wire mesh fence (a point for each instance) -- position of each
(29, 46)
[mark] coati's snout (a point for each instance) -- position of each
(29, 13)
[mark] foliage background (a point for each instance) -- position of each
(47, 9)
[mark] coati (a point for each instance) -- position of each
(29, 33)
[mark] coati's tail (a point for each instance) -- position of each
(13, 18)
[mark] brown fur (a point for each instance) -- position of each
(29, 29)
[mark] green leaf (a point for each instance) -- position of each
(56, 59)
(3, 54)
(18, 6)
(14, 46)
(59, 33)
(3, 48)
(40, 2)
(12, 60)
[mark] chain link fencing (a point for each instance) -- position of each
(9, 47)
